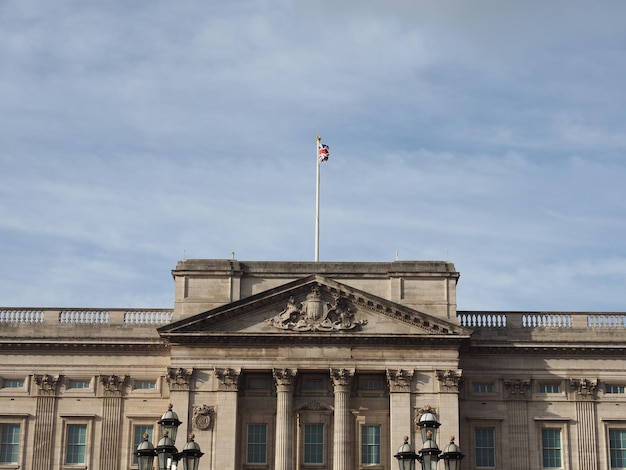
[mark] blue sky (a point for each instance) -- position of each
(487, 133)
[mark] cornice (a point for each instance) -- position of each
(425, 322)
(83, 346)
(295, 339)
(335, 269)
(545, 349)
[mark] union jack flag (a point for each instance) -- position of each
(323, 152)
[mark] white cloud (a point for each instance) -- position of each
(136, 134)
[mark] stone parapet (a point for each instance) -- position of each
(541, 330)
(427, 286)
(86, 329)
(17, 316)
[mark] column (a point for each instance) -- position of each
(516, 391)
(284, 379)
(226, 454)
(400, 412)
(44, 421)
(112, 390)
(342, 438)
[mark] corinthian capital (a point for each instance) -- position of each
(178, 379)
(585, 389)
(47, 384)
(113, 384)
(449, 380)
(228, 378)
(284, 378)
(516, 388)
(342, 378)
(400, 380)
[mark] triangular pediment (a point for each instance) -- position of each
(315, 308)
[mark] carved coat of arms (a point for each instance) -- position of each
(313, 314)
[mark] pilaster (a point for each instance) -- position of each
(585, 394)
(179, 382)
(44, 422)
(226, 458)
(112, 388)
(516, 392)
(400, 415)
(449, 383)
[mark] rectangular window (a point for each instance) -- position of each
(549, 388)
(313, 443)
(145, 384)
(617, 448)
(314, 384)
(76, 443)
(257, 443)
(551, 447)
(370, 445)
(9, 443)
(371, 384)
(483, 388)
(79, 383)
(485, 447)
(13, 383)
(138, 431)
(259, 383)
(615, 389)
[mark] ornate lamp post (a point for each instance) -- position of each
(452, 456)
(145, 454)
(406, 455)
(191, 454)
(166, 452)
(429, 455)
(169, 423)
(428, 425)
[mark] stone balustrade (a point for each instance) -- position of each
(48, 316)
(531, 320)
(157, 317)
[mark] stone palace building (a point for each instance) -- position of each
(312, 366)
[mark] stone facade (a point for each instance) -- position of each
(319, 366)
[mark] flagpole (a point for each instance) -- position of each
(317, 201)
